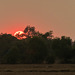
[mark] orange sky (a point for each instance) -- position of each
(45, 15)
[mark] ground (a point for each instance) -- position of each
(40, 69)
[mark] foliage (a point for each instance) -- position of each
(30, 31)
(37, 48)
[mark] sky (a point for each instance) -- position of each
(44, 15)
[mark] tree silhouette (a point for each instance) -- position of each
(37, 48)
(30, 31)
(48, 35)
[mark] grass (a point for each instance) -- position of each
(40, 69)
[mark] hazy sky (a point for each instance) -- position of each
(45, 15)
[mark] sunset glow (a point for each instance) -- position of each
(18, 32)
(45, 15)
(20, 35)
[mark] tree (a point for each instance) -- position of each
(50, 59)
(37, 50)
(73, 53)
(30, 31)
(62, 49)
(5, 43)
(16, 53)
(12, 56)
(48, 35)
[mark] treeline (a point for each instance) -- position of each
(36, 48)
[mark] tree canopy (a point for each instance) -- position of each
(37, 48)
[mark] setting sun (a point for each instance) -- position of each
(20, 35)
(18, 32)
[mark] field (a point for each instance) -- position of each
(40, 69)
